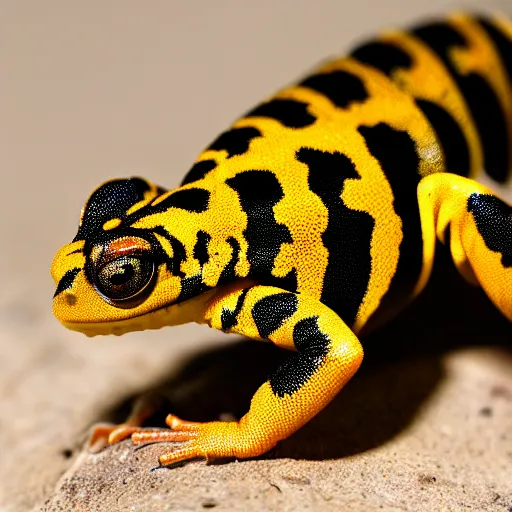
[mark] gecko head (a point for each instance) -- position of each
(127, 268)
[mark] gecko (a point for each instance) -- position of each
(312, 220)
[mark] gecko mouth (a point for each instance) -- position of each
(176, 313)
(155, 319)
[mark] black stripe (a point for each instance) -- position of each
(194, 200)
(199, 170)
(235, 141)
(340, 87)
(229, 318)
(312, 347)
(67, 281)
(270, 312)
(179, 254)
(503, 45)
(259, 191)
(228, 274)
(482, 101)
(385, 57)
(396, 153)
(193, 285)
(493, 219)
(201, 247)
(347, 237)
(450, 136)
(76, 251)
(291, 113)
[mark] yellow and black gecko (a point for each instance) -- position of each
(313, 219)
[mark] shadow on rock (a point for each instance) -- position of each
(403, 366)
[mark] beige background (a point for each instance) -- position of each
(98, 89)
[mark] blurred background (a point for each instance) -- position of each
(115, 88)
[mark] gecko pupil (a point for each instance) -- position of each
(123, 275)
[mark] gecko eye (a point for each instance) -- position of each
(124, 278)
(123, 270)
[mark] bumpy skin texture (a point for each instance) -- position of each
(314, 217)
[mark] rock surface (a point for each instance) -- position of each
(102, 90)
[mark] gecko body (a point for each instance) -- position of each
(312, 220)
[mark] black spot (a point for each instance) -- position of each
(348, 234)
(235, 141)
(201, 247)
(482, 101)
(270, 312)
(486, 411)
(67, 281)
(258, 192)
(291, 113)
(386, 57)
(312, 346)
(340, 87)
(502, 44)
(396, 153)
(192, 199)
(110, 201)
(228, 274)
(70, 299)
(67, 453)
(192, 287)
(229, 318)
(493, 219)
(450, 136)
(199, 170)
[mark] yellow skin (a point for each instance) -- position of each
(313, 219)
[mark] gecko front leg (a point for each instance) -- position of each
(327, 355)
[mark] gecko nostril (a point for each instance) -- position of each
(70, 299)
